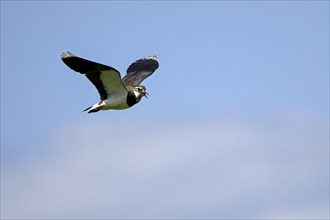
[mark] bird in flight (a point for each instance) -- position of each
(115, 93)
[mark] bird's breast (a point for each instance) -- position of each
(131, 98)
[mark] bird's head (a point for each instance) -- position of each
(140, 91)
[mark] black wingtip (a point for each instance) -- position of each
(146, 64)
(66, 55)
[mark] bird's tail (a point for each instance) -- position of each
(87, 108)
(94, 108)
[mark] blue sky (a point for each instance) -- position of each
(236, 124)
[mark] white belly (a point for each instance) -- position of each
(118, 102)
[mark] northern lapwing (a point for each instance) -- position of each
(115, 93)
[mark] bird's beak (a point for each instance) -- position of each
(145, 94)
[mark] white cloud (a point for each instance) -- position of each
(175, 169)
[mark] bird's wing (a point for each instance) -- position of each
(140, 70)
(105, 78)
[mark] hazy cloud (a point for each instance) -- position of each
(176, 169)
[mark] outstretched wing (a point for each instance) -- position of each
(105, 78)
(140, 70)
